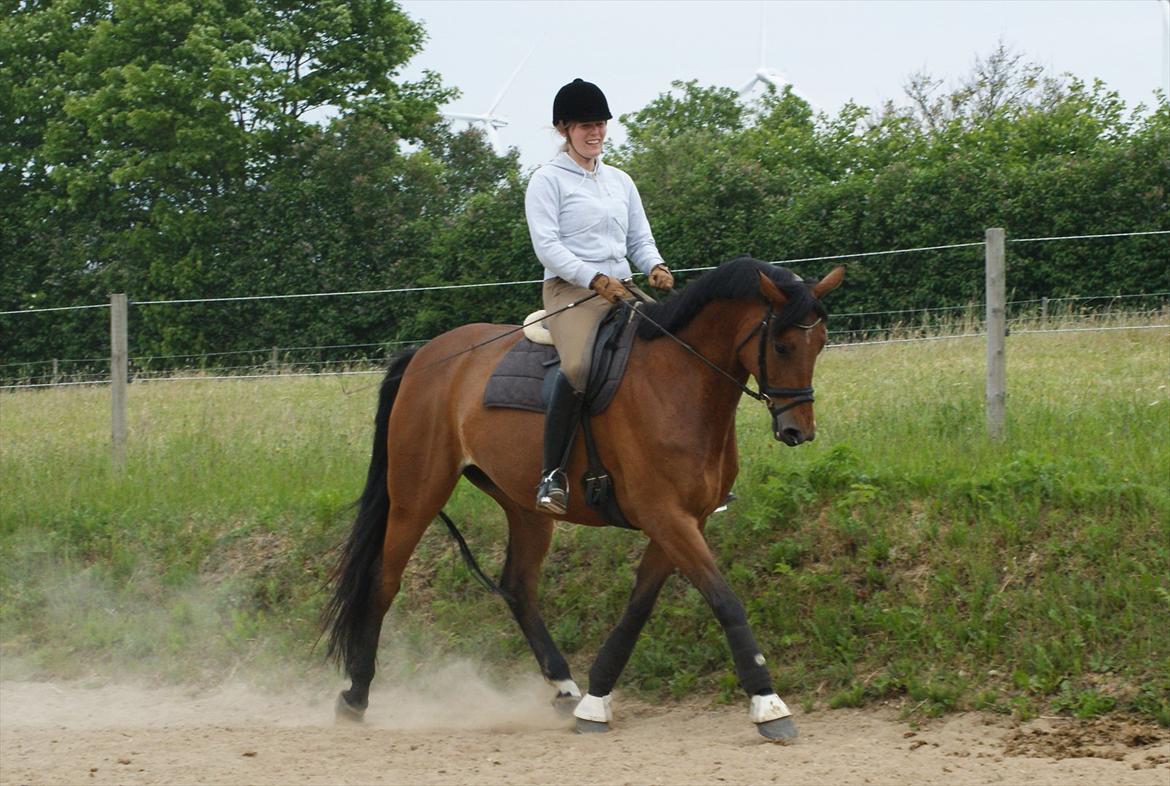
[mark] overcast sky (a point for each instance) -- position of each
(831, 50)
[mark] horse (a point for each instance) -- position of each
(669, 440)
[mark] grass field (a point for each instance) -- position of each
(901, 555)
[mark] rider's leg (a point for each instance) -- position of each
(573, 332)
(560, 426)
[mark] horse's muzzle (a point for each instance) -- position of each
(789, 430)
(792, 436)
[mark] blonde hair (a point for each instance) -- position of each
(562, 127)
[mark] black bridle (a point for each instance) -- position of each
(769, 393)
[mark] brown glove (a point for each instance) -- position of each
(661, 277)
(609, 288)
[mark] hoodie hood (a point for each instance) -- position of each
(565, 161)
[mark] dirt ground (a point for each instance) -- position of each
(472, 733)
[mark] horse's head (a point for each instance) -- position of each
(791, 336)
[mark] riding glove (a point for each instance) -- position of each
(609, 288)
(661, 277)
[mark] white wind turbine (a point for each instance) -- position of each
(764, 75)
(1166, 48)
(490, 121)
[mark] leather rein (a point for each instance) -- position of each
(767, 393)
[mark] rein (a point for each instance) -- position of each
(743, 388)
(767, 393)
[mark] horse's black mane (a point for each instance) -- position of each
(733, 280)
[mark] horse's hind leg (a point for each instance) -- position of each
(529, 538)
(403, 531)
(593, 713)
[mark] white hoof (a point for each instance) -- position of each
(768, 708)
(594, 708)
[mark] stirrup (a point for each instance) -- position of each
(552, 495)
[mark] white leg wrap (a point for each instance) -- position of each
(767, 708)
(594, 708)
(567, 686)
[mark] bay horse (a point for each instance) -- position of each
(668, 438)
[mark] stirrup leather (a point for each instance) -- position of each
(552, 495)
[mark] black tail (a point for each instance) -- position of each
(346, 612)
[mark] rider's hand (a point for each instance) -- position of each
(609, 288)
(661, 277)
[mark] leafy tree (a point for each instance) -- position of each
(139, 134)
(1010, 146)
(169, 148)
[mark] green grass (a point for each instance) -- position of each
(902, 555)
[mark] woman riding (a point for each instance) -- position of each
(587, 224)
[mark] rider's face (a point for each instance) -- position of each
(587, 139)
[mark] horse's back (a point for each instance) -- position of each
(442, 388)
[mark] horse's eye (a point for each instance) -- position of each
(782, 348)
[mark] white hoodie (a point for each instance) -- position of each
(583, 223)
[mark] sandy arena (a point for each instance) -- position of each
(471, 733)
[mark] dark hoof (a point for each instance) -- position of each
(565, 703)
(344, 712)
(591, 727)
(779, 730)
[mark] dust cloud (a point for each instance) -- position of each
(455, 695)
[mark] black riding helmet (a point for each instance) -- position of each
(581, 102)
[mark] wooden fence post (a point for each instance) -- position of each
(119, 374)
(996, 285)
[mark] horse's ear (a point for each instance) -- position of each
(829, 282)
(770, 291)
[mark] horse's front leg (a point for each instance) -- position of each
(686, 547)
(593, 713)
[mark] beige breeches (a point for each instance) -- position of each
(574, 330)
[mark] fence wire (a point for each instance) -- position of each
(267, 372)
(954, 321)
(449, 287)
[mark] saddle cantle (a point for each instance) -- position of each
(523, 377)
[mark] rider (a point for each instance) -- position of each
(585, 219)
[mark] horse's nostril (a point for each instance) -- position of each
(793, 436)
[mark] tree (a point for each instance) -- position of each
(138, 134)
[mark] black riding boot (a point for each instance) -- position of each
(560, 426)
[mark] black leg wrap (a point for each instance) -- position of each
(749, 666)
(612, 659)
(618, 647)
